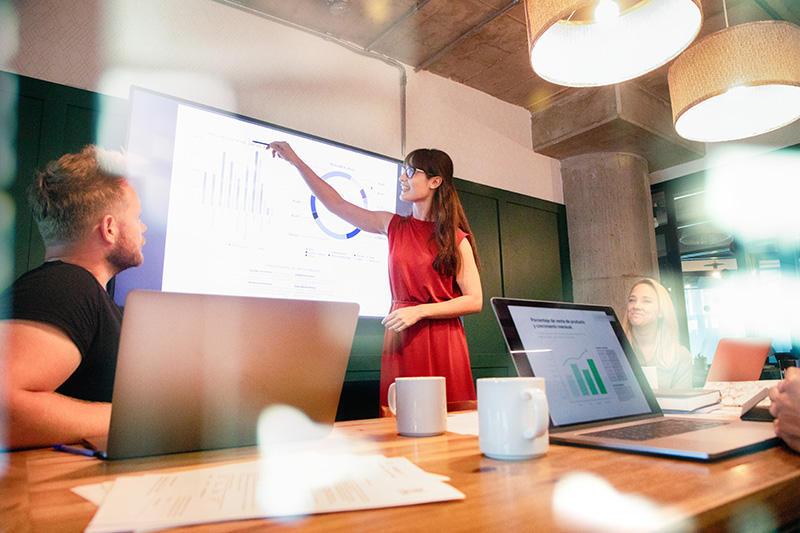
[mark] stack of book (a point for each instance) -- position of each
(687, 400)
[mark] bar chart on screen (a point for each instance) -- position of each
(255, 223)
(584, 381)
(235, 195)
(226, 215)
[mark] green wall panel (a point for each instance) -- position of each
(531, 253)
(486, 344)
(53, 120)
(28, 247)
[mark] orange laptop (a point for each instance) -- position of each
(739, 359)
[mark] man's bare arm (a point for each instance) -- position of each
(38, 359)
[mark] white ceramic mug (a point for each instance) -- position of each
(420, 405)
(513, 418)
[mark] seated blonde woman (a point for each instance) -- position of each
(652, 329)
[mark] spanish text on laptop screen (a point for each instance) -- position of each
(587, 375)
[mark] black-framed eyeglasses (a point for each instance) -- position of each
(410, 171)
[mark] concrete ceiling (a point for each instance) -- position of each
(483, 44)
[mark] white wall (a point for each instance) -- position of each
(222, 56)
(489, 140)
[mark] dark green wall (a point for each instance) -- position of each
(522, 241)
(53, 120)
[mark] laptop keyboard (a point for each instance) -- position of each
(652, 430)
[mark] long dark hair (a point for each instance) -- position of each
(446, 211)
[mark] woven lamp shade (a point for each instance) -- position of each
(568, 46)
(738, 82)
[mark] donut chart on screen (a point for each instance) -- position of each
(315, 213)
(212, 191)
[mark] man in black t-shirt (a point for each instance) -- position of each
(62, 332)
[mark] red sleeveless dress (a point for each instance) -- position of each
(431, 347)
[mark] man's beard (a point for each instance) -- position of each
(125, 255)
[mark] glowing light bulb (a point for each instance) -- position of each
(606, 10)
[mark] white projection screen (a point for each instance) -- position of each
(225, 217)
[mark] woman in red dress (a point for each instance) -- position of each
(433, 272)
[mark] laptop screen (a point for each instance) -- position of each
(581, 352)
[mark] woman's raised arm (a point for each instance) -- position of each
(364, 219)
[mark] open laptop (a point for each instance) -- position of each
(739, 359)
(596, 390)
(195, 371)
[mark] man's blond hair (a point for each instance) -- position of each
(74, 192)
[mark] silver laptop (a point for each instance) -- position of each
(596, 390)
(194, 372)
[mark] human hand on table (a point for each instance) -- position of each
(785, 407)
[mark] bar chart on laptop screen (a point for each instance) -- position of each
(584, 378)
(586, 372)
(584, 381)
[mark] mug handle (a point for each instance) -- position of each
(393, 398)
(540, 411)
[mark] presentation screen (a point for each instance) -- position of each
(225, 217)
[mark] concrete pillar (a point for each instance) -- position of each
(610, 222)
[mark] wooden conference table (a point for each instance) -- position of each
(514, 496)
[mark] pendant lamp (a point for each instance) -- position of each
(572, 43)
(738, 82)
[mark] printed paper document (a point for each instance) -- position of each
(297, 485)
